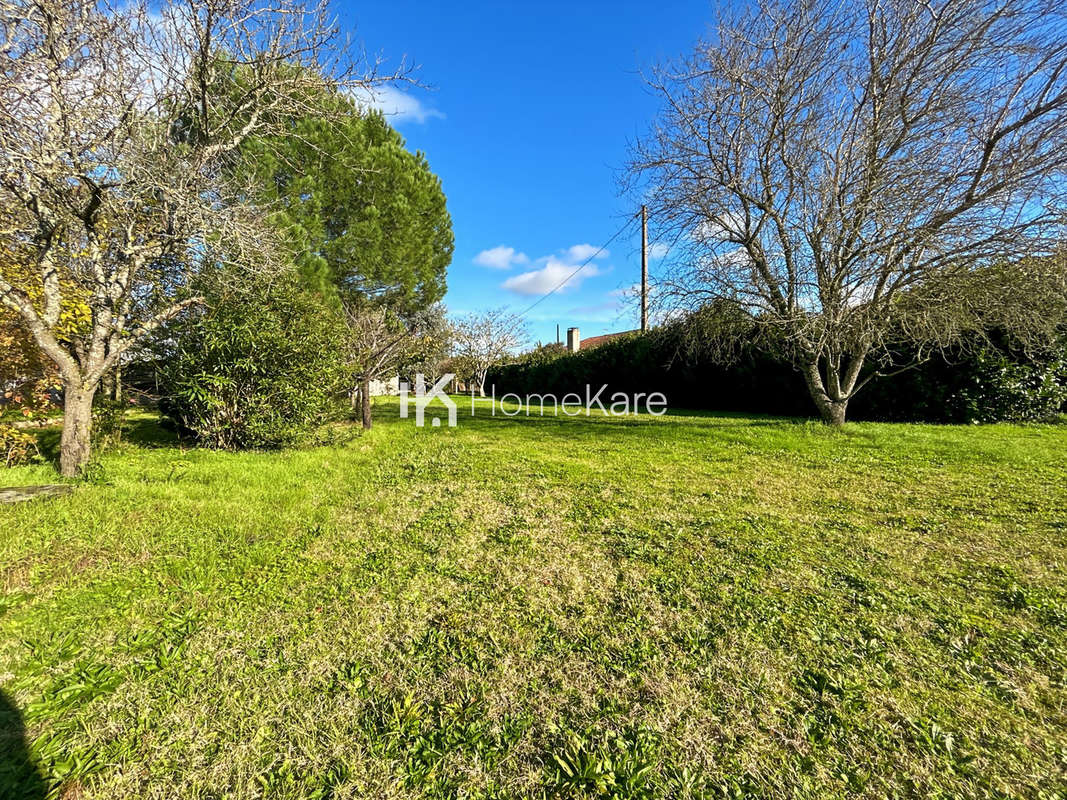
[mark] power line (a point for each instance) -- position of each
(581, 266)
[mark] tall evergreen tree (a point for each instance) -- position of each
(366, 217)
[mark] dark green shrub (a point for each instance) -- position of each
(260, 367)
(754, 380)
(988, 382)
(1018, 390)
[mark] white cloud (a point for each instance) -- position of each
(500, 258)
(658, 250)
(581, 252)
(398, 105)
(551, 275)
(556, 271)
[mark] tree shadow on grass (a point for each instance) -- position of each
(19, 777)
(149, 431)
(143, 430)
(597, 423)
(48, 444)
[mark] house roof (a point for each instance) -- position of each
(596, 341)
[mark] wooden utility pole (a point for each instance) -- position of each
(644, 269)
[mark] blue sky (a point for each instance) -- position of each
(531, 110)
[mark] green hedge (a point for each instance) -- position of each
(974, 384)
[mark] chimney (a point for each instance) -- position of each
(574, 341)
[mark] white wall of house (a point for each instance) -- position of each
(390, 386)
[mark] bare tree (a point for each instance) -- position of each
(377, 341)
(841, 167)
(482, 340)
(116, 125)
(429, 353)
(382, 342)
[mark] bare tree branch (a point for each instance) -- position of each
(819, 162)
(481, 340)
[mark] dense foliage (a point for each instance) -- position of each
(17, 447)
(992, 382)
(366, 222)
(364, 216)
(258, 369)
(980, 382)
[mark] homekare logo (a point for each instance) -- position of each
(571, 404)
(423, 399)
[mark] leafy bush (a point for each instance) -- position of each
(754, 380)
(1006, 389)
(986, 383)
(16, 447)
(34, 399)
(260, 368)
(543, 354)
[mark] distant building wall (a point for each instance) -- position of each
(574, 340)
(390, 386)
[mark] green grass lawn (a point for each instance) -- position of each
(692, 606)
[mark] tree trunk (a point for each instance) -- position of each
(364, 390)
(74, 445)
(832, 411)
